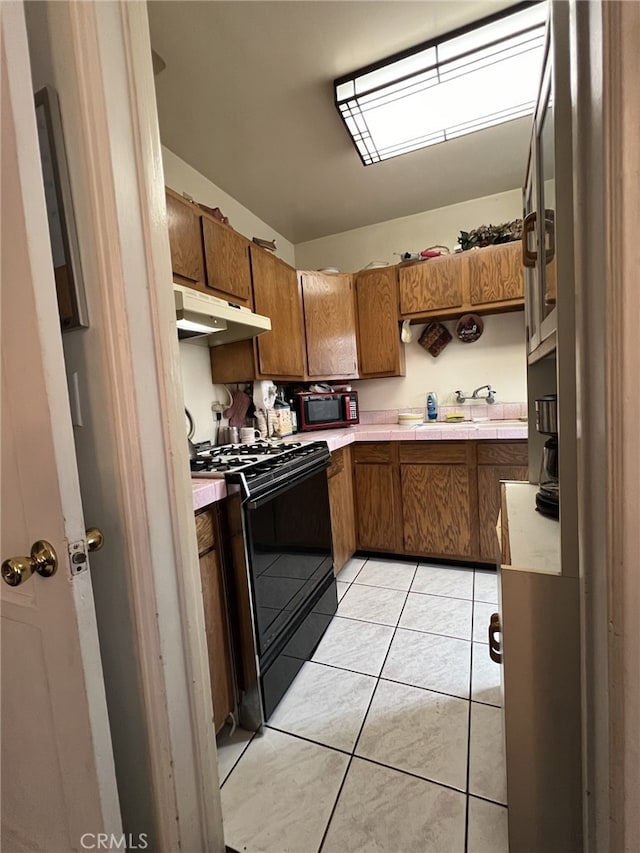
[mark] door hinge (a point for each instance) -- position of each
(78, 557)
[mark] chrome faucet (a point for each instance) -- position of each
(491, 394)
(490, 397)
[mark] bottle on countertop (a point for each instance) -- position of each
(294, 416)
(431, 413)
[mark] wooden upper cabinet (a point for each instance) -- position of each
(227, 261)
(380, 350)
(440, 284)
(185, 240)
(488, 280)
(276, 293)
(330, 325)
(496, 275)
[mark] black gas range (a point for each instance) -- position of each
(284, 594)
(258, 469)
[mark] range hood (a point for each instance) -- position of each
(199, 315)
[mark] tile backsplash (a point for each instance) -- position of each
(495, 412)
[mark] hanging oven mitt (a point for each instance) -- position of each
(237, 411)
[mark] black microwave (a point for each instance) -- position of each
(327, 410)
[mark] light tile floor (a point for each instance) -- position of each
(390, 739)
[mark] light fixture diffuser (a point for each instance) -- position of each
(466, 81)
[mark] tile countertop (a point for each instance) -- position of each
(337, 438)
(206, 492)
(534, 539)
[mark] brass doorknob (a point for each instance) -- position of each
(95, 539)
(43, 560)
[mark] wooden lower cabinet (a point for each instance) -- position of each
(433, 499)
(343, 522)
(215, 615)
(437, 516)
(377, 496)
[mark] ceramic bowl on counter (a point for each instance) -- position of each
(410, 419)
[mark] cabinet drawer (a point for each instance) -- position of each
(205, 526)
(375, 452)
(503, 453)
(436, 452)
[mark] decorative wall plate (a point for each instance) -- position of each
(469, 328)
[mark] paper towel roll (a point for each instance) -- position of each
(264, 395)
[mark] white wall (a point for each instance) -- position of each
(353, 250)
(199, 392)
(182, 177)
(498, 358)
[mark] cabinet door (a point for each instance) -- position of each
(330, 325)
(495, 273)
(215, 616)
(380, 350)
(277, 295)
(437, 512)
(376, 511)
(185, 240)
(489, 477)
(437, 285)
(343, 523)
(227, 260)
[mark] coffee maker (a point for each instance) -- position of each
(548, 496)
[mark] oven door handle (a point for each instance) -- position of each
(284, 486)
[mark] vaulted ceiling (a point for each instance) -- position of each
(246, 98)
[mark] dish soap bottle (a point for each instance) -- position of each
(432, 407)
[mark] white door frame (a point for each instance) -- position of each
(606, 104)
(107, 48)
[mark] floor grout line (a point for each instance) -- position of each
(236, 762)
(466, 816)
(396, 627)
(364, 719)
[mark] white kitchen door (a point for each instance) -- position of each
(58, 783)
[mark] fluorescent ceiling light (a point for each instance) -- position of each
(465, 81)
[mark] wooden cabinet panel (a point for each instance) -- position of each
(435, 451)
(503, 453)
(205, 531)
(377, 451)
(380, 350)
(233, 363)
(227, 260)
(437, 510)
(489, 477)
(185, 240)
(220, 659)
(496, 274)
(276, 294)
(376, 512)
(215, 616)
(343, 522)
(330, 326)
(431, 286)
